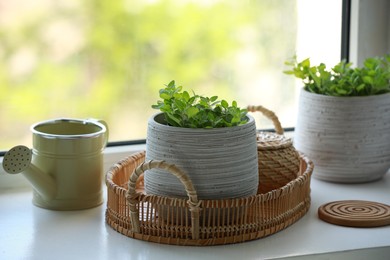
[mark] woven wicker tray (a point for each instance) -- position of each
(189, 221)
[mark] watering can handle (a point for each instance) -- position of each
(106, 134)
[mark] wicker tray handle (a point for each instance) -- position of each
(193, 202)
(270, 115)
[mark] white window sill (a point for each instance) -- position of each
(29, 232)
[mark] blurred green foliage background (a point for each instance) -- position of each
(108, 59)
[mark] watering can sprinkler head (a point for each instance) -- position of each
(19, 160)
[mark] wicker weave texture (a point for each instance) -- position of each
(189, 221)
(278, 160)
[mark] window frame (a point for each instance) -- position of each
(353, 49)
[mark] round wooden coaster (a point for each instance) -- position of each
(355, 213)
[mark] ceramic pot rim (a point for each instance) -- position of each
(156, 120)
(383, 95)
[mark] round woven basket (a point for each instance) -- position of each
(278, 159)
(192, 221)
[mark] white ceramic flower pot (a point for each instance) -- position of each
(221, 162)
(348, 138)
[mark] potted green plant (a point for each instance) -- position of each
(343, 120)
(212, 141)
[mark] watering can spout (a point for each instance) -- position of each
(18, 160)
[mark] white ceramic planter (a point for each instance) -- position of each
(348, 138)
(221, 162)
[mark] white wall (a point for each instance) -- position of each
(370, 29)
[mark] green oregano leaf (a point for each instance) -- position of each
(343, 80)
(192, 111)
(184, 110)
(224, 104)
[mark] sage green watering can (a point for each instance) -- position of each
(65, 165)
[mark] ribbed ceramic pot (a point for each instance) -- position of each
(348, 138)
(221, 162)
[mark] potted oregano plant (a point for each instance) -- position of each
(343, 120)
(213, 141)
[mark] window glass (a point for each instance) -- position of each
(108, 59)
